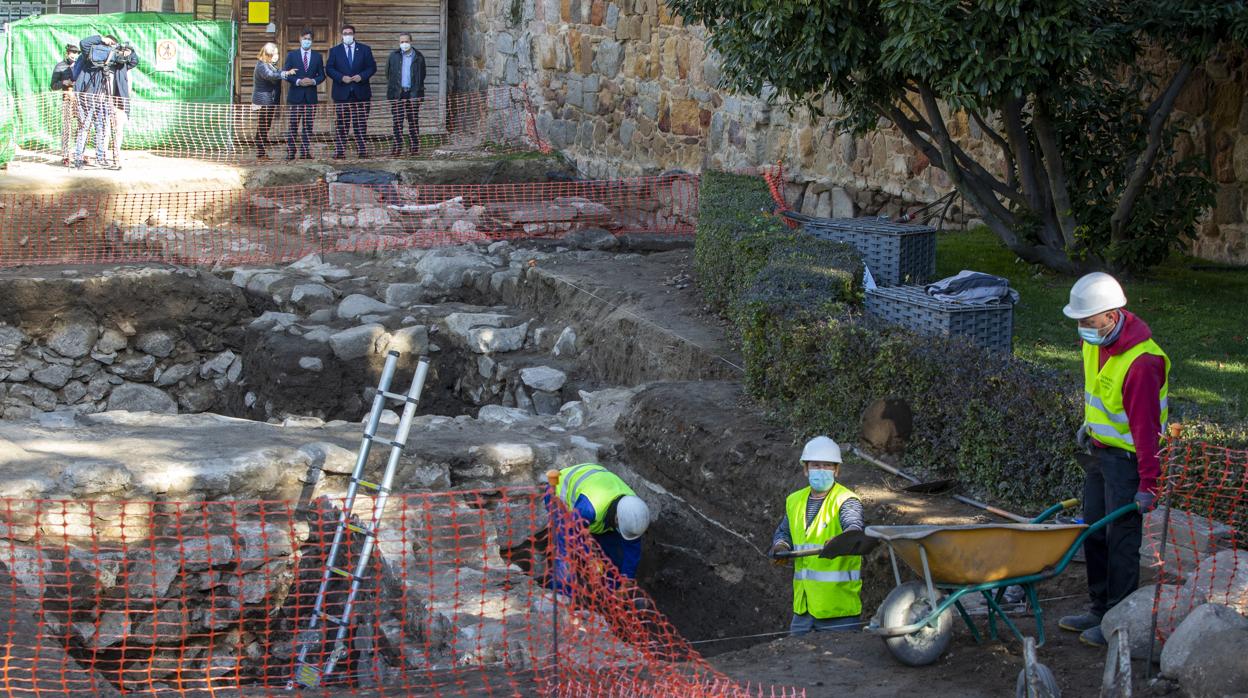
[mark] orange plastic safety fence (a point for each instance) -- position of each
(774, 176)
(497, 120)
(1204, 514)
(103, 597)
(285, 223)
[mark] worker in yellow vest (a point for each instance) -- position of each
(1125, 384)
(825, 590)
(612, 511)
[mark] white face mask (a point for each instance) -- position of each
(348, 39)
(405, 47)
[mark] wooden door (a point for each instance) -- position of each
(321, 16)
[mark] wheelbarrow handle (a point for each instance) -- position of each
(1118, 513)
(1060, 506)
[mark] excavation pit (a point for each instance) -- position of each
(168, 516)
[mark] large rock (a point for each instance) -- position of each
(450, 268)
(591, 239)
(53, 376)
(357, 304)
(12, 339)
(356, 342)
(412, 340)
(486, 333)
(73, 337)
(311, 295)
(110, 342)
(1190, 637)
(135, 397)
(1218, 669)
(271, 319)
(159, 343)
(1135, 613)
(543, 378)
(566, 344)
(1220, 579)
(344, 194)
(174, 374)
(497, 414)
(405, 294)
(138, 367)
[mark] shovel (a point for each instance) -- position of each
(917, 486)
(848, 543)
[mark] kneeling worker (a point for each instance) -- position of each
(615, 515)
(825, 590)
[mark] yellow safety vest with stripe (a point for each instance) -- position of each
(599, 485)
(1103, 409)
(823, 588)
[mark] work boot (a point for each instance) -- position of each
(1093, 637)
(1081, 622)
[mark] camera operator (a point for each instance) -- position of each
(100, 76)
(124, 59)
(63, 82)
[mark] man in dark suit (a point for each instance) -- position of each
(309, 71)
(350, 66)
(405, 87)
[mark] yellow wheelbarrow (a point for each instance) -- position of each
(916, 619)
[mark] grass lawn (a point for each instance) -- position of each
(1199, 317)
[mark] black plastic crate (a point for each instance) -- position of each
(896, 253)
(990, 326)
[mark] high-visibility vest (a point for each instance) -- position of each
(599, 485)
(1103, 410)
(823, 588)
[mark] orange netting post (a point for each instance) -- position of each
(774, 177)
(1198, 537)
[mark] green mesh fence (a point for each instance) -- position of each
(195, 65)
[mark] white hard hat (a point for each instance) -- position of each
(821, 448)
(632, 517)
(1094, 293)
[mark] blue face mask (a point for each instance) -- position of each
(1091, 335)
(821, 480)
(306, 44)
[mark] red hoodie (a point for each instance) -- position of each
(1140, 397)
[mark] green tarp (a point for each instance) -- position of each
(6, 108)
(197, 67)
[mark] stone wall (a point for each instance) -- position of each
(625, 88)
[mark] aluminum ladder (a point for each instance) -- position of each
(308, 673)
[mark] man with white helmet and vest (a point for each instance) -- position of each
(1125, 383)
(612, 511)
(825, 589)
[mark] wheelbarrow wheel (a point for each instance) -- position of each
(909, 604)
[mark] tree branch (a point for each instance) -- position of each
(1012, 117)
(1011, 179)
(1159, 113)
(1042, 123)
(975, 190)
(956, 155)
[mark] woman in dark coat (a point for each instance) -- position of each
(267, 94)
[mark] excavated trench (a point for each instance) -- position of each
(532, 367)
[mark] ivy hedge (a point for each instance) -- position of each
(1003, 426)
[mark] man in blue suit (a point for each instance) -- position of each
(309, 71)
(350, 66)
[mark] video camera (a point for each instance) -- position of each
(110, 57)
